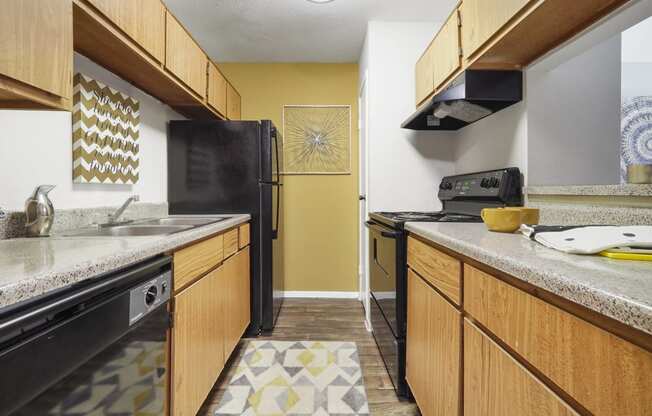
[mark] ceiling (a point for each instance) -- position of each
(294, 30)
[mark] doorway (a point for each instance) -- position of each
(363, 198)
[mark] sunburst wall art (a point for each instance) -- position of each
(317, 139)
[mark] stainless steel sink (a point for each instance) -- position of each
(192, 221)
(134, 230)
(147, 227)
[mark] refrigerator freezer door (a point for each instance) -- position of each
(214, 167)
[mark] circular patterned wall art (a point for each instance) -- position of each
(636, 138)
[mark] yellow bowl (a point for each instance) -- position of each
(501, 220)
(508, 220)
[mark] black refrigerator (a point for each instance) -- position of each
(231, 167)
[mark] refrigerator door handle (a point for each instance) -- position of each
(278, 209)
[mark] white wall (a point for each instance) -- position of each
(496, 142)
(574, 119)
(36, 148)
(405, 167)
(636, 46)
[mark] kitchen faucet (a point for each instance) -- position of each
(113, 218)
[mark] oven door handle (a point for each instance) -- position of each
(387, 234)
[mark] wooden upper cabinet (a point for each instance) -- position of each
(434, 349)
(233, 102)
(441, 60)
(217, 89)
(496, 385)
(482, 19)
(446, 49)
(142, 20)
(184, 58)
(36, 50)
(424, 73)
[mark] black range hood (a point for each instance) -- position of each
(472, 96)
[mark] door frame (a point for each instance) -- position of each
(363, 184)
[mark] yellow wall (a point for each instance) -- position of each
(321, 212)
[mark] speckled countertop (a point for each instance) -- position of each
(33, 266)
(619, 289)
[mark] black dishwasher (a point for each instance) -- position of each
(96, 348)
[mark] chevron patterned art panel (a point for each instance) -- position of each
(104, 134)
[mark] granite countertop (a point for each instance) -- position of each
(618, 289)
(30, 267)
(592, 190)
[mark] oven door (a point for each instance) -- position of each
(383, 246)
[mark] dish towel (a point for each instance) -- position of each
(590, 239)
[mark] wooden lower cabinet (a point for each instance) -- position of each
(195, 260)
(209, 318)
(433, 349)
(439, 269)
(496, 385)
(577, 356)
(197, 342)
(237, 313)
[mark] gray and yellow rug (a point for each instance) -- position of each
(296, 378)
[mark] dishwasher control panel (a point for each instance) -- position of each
(148, 296)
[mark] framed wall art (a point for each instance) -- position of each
(636, 139)
(317, 139)
(105, 134)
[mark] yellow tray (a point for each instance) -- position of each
(626, 256)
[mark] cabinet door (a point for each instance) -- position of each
(36, 44)
(217, 89)
(184, 58)
(417, 340)
(577, 356)
(424, 75)
(434, 359)
(446, 51)
(481, 19)
(237, 299)
(496, 385)
(142, 20)
(233, 103)
(197, 342)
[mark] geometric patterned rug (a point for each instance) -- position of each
(296, 378)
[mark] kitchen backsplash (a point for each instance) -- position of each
(13, 225)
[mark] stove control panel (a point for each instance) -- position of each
(503, 185)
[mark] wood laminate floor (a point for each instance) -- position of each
(328, 320)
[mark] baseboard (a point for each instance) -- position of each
(321, 295)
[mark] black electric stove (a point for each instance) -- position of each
(463, 197)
